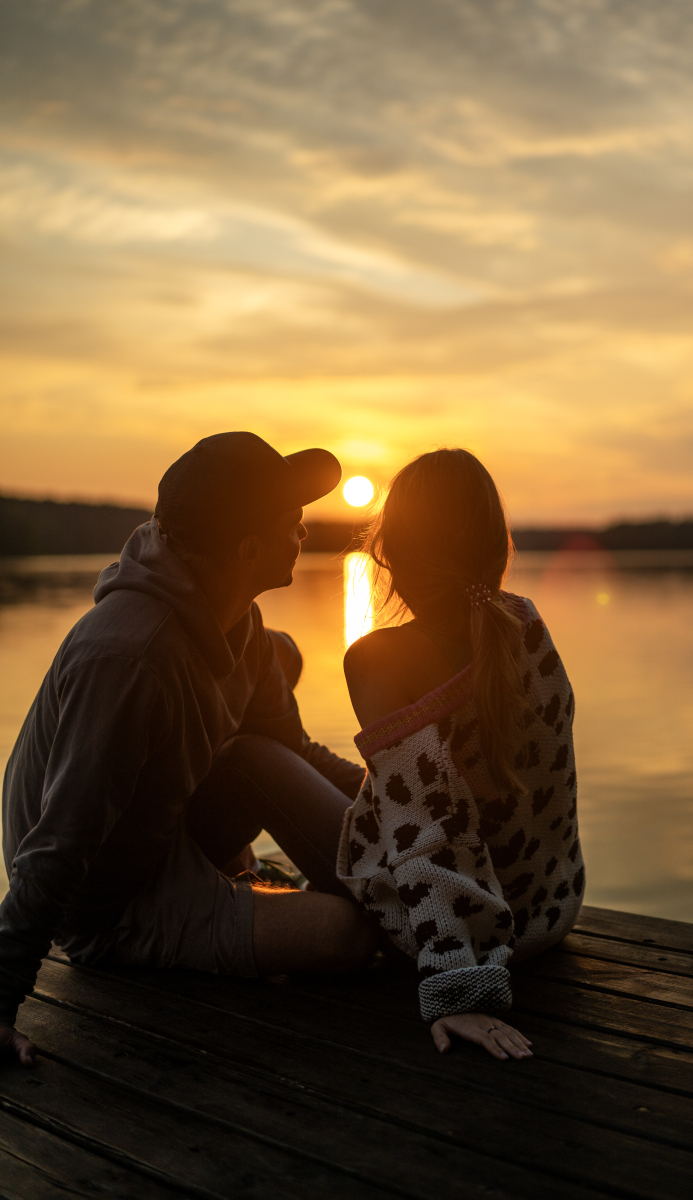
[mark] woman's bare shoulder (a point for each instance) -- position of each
(391, 668)
(376, 674)
(377, 649)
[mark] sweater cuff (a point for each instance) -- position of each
(467, 989)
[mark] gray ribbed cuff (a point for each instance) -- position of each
(467, 989)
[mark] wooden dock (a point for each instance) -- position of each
(153, 1084)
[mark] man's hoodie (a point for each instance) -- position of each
(142, 693)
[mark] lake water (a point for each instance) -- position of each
(622, 623)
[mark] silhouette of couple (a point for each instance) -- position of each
(166, 735)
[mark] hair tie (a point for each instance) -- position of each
(478, 594)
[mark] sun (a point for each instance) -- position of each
(358, 491)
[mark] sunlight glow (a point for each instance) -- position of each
(358, 491)
(358, 600)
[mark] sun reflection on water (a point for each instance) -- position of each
(358, 599)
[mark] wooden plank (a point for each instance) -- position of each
(211, 1086)
(607, 1051)
(167, 1143)
(672, 1027)
(129, 1055)
(633, 1033)
(609, 1054)
(618, 978)
(648, 958)
(374, 991)
(503, 1121)
(632, 927)
(35, 1163)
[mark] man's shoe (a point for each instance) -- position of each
(270, 871)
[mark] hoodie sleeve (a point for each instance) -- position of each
(111, 713)
(272, 710)
(274, 713)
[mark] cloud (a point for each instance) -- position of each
(31, 202)
(468, 219)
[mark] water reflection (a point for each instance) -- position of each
(54, 578)
(358, 601)
(630, 662)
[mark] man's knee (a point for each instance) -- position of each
(255, 756)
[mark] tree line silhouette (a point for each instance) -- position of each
(38, 527)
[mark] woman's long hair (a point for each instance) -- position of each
(441, 531)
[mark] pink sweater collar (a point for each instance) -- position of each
(428, 710)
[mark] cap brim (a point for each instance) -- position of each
(315, 473)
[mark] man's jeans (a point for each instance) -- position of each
(256, 783)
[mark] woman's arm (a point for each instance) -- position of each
(385, 671)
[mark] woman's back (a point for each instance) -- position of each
(503, 871)
(463, 839)
(391, 668)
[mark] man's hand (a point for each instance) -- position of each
(501, 1040)
(16, 1043)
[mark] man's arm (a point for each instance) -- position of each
(111, 710)
(273, 711)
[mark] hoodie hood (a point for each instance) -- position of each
(147, 565)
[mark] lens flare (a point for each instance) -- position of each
(358, 600)
(358, 491)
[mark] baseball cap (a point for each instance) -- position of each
(230, 483)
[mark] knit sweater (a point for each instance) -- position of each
(464, 877)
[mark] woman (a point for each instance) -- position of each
(463, 839)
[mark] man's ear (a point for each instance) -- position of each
(249, 550)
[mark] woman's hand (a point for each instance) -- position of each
(501, 1040)
(16, 1043)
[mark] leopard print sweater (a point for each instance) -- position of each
(462, 878)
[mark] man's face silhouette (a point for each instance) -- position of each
(275, 551)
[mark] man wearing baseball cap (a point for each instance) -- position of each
(164, 738)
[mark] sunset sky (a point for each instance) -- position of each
(372, 225)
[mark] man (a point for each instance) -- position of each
(165, 737)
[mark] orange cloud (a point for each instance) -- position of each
(374, 229)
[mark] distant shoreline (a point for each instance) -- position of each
(38, 527)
